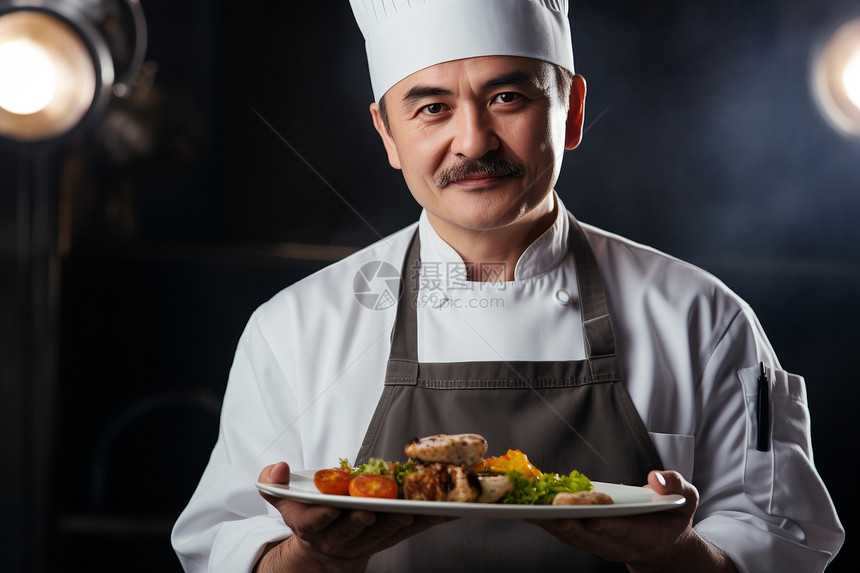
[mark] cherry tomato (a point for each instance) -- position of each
(333, 481)
(372, 485)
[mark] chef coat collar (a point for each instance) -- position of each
(439, 259)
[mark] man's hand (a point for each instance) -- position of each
(663, 541)
(329, 539)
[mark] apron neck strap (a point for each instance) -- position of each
(596, 324)
(404, 333)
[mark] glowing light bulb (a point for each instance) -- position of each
(851, 79)
(28, 78)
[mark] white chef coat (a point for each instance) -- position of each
(310, 365)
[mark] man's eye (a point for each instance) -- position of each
(433, 108)
(506, 97)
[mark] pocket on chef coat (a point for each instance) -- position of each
(774, 477)
(677, 452)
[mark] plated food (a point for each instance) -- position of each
(452, 468)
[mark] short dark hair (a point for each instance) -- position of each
(563, 80)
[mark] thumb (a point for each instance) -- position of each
(278, 473)
(275, 474)
(665, 483)
(668, 483)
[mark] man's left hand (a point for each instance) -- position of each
(663, 541)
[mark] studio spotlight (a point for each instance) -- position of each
(60, 61)
(836, 78)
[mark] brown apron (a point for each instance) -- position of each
(564, 415)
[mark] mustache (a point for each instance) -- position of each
(467, 167)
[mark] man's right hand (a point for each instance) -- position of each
(330, 539)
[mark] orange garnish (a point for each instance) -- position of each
(513, 460)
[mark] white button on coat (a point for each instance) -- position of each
(563, 297)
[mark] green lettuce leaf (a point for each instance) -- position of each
(542, 490)
(373, 466)
(395, 470)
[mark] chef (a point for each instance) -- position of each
(499, 313)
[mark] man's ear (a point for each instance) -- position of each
(387, 140)
(576, 113)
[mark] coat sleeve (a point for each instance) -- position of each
(768, 510)
(226, 524)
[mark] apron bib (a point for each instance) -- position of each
(564, 415)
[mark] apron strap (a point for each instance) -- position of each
(596, 324)
(403, 358)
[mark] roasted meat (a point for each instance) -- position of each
(493, 488)
(441, 482)
(582, 498)
(458, 449)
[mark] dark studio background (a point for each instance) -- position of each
(702, 140)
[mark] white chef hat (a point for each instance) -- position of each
(404, 36)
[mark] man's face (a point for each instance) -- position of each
(479, 140)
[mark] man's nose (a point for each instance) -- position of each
(475, 135)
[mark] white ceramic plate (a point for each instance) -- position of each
(629, 500)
